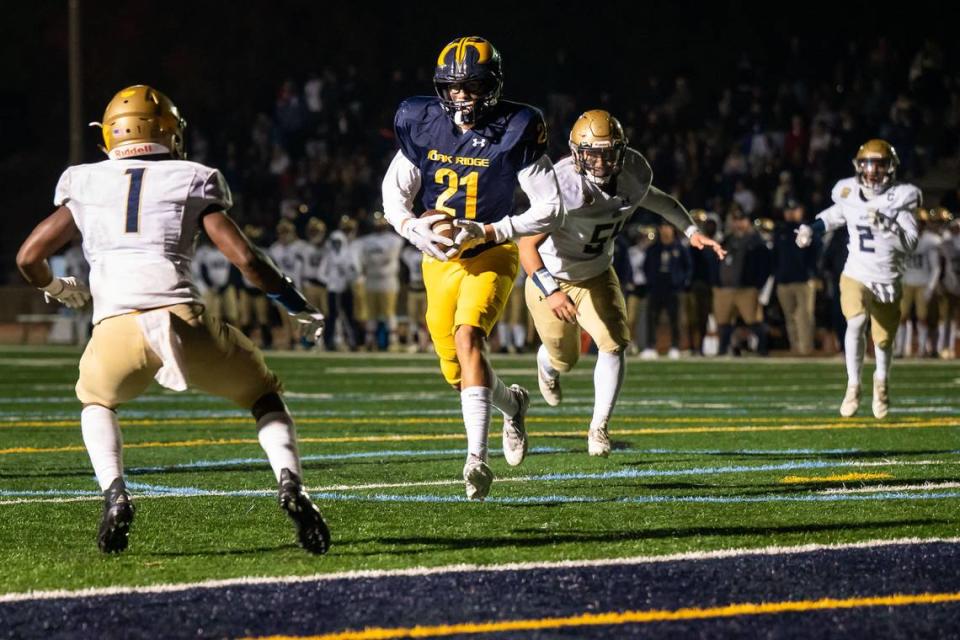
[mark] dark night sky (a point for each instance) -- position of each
(222, 61)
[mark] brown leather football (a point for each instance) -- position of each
(443, 227)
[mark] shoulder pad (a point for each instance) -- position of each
(570, 182)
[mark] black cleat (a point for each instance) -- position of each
(312, 531)
(116, 519)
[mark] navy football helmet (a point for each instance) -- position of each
(474, 64)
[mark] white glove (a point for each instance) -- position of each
(804, 236)
(67, 291)
(471, 234)
(419, 233)
(311, 323)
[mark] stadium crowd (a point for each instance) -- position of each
(754, 160)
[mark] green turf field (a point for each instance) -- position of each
(708, 454)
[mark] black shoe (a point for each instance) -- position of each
(116, 519)
(312, 531)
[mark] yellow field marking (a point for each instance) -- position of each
(632, 617)
(846, 477)
(417, 437)
(150, 422)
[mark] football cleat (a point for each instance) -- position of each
(478, 477)
(514, 429)
(881, 399)
(649, 354)
(851, 401)
(116, 519)
(549, 387)
(598, 441)
(312, 531)
(674, 353)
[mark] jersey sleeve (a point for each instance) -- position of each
(216, 191)
(533, 140)
(402, 127)
(61, 194)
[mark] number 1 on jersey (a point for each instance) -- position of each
(133, 199)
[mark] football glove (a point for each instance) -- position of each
(67, 291)
(311, 323)
(470, 235)
(419, 232)
(804, 236)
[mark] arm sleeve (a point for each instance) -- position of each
(670, 210)
(832, 218)
(539, 182)
(905, 230)
(399, 188)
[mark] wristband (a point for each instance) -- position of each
(289, 297)
(545, 282)
(692, 229)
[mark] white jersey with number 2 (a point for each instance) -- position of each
(876, 251)
(139, 220)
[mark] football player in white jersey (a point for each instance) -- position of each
(920, 277)
(879, 214)
(949, 309)
(314, 289)
(572, 283)
(139, 213)
(379, 254)
(289, 252)
(418, 339)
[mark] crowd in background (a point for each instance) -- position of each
(773, 139)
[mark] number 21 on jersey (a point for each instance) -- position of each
(452, 179)
(133, 199)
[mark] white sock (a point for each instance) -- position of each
(907, 339)
(543, 359)
(854, 344)
(884, 359)
(941, 336)
(519, 335)
(952, 338)
(101, 436)
(501, 397)
(898, 341)
(922, 334)
(475, 404)
(278, 438)
(607, 380)
(503, 334)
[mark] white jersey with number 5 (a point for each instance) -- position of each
(875, 255)
(583, 245)
(139, 220)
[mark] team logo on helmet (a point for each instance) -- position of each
(598, 145)
(876, 165)
(473, 65)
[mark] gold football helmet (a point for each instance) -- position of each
(876, 165)
(598, 145)
(286, 231)
(347, 225)
(316, 230)
(140, 121)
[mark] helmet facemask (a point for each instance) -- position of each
(875, 173)
(600, 162)
(483, 95)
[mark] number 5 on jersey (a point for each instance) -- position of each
(133, 199)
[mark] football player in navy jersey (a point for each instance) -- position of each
(466, 150)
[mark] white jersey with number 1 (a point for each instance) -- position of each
(139, 220)
(875, 255)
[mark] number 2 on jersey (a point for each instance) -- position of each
(452, 180)
(133, 199)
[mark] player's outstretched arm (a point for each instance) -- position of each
(670, 209)
(48, 237)
(560, 303)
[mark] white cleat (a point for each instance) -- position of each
(478, 477)
(881, 399)
(851, 401)
(549, 387)
(514, 429)
(674, 353)
(598, 441)
(649, 354)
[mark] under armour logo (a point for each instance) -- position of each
(479, 142)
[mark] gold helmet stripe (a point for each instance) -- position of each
(462, 45)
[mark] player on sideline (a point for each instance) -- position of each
(139, 213)
(572, 283)
(468, 150)
(880, 214)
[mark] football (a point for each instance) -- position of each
(443, 227)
